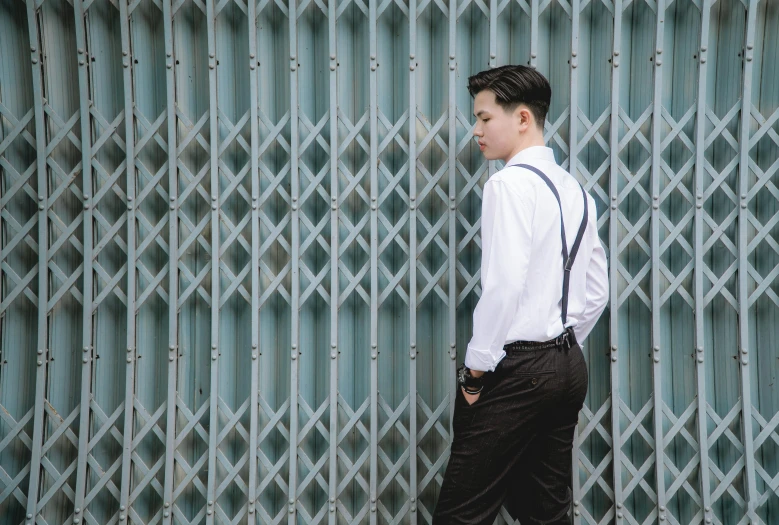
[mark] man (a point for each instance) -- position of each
(524, 378)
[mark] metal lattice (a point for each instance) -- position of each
(239, 253)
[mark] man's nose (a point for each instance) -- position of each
(476, 131)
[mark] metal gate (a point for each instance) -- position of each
(240, 253)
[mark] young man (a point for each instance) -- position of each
(544, 285)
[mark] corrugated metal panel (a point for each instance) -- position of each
(259, 225)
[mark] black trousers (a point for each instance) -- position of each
(514, 445)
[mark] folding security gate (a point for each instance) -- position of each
(240, 253)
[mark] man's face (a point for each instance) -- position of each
(497, 131)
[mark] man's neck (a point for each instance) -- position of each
(535, 140)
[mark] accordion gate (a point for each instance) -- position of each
(240, 253)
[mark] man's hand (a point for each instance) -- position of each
(471, 398)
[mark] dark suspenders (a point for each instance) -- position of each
(568, 258)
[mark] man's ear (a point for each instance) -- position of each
(524, 116)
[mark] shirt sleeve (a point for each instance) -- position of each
(597, 283)
(506, 236)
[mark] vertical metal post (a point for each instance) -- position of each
(173, 291)
(493, 62)
(334, 252)
(86, 165)
(452, 161)
(374, 193)
(412, 283)
(533, 62)
(213, 397)
(743, 263)
(657, 119)
(573, 161)
(254, 415)
(43, 265)
(700, 367)
(613, 271)
(129, 390)
(295, 263)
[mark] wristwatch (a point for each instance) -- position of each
(471, 384)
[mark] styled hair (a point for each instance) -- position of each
(515, 85)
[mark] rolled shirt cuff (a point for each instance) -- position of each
(483, 360)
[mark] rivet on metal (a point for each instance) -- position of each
(614, 358)
(700, 359)
(657, 359)
(40, 363)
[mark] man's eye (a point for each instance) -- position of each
(485, 120)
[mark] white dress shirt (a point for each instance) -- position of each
(522, 262)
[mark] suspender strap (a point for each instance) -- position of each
(568, 258)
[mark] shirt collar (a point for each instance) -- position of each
(533, 153)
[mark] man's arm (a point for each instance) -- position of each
(597, 279)
(506, 237)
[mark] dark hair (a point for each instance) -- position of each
(515, 85)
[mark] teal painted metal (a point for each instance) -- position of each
(174, 223)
